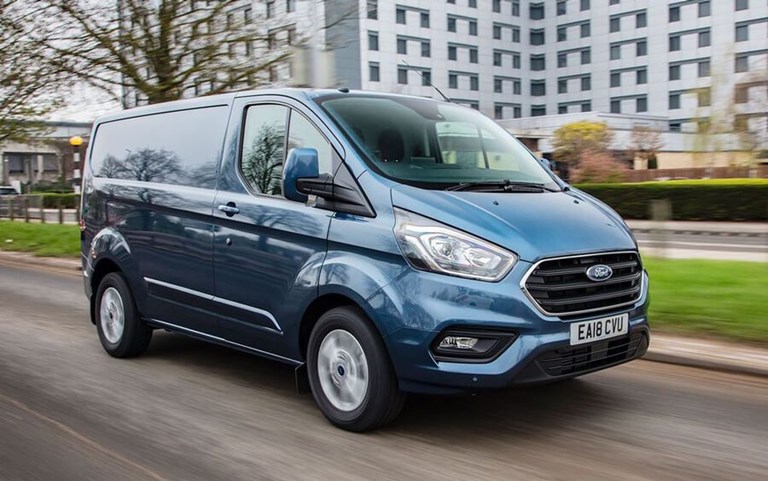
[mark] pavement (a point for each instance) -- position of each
(665, 348)
(191, 410)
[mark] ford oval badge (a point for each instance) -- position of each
(599, 273)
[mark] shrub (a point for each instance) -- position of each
(598, 166)
(735, 200)
(67, 201)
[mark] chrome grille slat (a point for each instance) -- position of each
(560, 286)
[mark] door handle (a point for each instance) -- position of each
(230, 208)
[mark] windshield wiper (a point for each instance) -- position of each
(505, 185)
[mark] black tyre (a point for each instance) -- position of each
(121, 331)
(350, 374)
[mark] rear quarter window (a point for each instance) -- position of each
(182, 147)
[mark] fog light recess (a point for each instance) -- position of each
(470, 345)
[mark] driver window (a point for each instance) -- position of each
(303, 134)
(264, 148)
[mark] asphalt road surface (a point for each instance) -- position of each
(192, 411)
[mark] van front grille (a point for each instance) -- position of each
(560, 287)
(574, 360)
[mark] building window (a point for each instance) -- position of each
(373, 9)
(674, 101)
(497, 32)
(561, 8)
(516, 63)
(538, 110)
(517, 112)
(451, 24)
(426, 49)
(674, 14)
(585, 30)
(472, 3)
(498, 111)
(538, 62)
(473, 28)
(615, 79)
(705, 99)
(562, 86)
(641, 48)
(562, 109)
(704, 68)
(517, 87)
(586, 107)
(641, 104)
(642, 76)
(538, 88)
(704, 9)
(615, 52)
(741, 94)
(373, 72)
(613, 2)
(270, 9)
(742, 64)
(586, 57)
(584, 5)
(472, 55)
(373, 41)
(615, 24)
(641, 20)
(426, 78)
(742, 5)
(498, 85)
(497, 6)
(474, 83)
(562, 34)
(290, 6)
(402, 46)
(675, 126)
(402, 76)
(496, 59)
(742, 33)
(537, 11)
(516, 34)
(674, 72)
(537, 37)
(453, 81)
(615, 106)
(586, 83)
(515, 8)
(562, 60)
(424, 16)
(674, 43)
(452, 52)
(704, 39)
(400, 16)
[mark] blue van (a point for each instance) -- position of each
(381, 244)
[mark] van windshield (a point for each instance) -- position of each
(432, 144)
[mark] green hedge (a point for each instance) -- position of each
(731, 200)
(68, 201)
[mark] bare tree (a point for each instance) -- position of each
(646, 143)
(27, 89)
(159, 48)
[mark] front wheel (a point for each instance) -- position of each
(350, 373)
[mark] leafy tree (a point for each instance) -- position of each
(157, 48)
(573, 140)
(27, 85)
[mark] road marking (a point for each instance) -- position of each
(83, 439)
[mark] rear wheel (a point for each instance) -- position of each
(121, 331)
(350, 373)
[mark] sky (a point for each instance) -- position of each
(85, 104)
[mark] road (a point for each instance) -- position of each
(188, 410)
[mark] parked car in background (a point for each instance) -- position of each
(7, 190)
(381, 244)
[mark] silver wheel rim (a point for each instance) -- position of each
(343, 370)
(112, 315)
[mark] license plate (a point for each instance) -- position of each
(597, 329)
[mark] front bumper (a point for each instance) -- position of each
(423, 305)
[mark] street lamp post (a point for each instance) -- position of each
(76, 142)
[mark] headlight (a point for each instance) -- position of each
(431, 246)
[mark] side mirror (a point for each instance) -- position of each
(300, 164)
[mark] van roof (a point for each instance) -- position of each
(227, 98)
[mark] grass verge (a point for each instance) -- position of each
(50, 240)
(710, 298)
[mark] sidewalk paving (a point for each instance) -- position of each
(665, 348)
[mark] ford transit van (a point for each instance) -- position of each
(381, 244)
